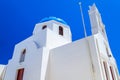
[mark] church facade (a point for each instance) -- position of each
(50, 54)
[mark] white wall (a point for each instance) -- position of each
(55, 40)
(70, 62)
(32, 63)
(79, 60)
(101, 44)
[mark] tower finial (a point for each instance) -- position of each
(85, 33)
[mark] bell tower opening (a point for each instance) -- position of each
(45, 26)
(60, 30)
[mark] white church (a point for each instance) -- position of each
(50, 54)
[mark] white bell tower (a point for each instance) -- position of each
(98, 26)
(52, 32)
(96, 21)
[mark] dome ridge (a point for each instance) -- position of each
(53, 18)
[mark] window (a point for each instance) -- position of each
(60, 30)
(109, 55)
(45, 26)
(20, 73)
(22, 57)
(107, 50)
(112, 73)
(106, 70)
(103, 31)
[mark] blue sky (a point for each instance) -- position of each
(18, 18)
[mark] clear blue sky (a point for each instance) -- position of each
(18, 18)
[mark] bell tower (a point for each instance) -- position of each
(96, 21)
(52, 32)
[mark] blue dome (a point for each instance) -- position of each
(53, 18)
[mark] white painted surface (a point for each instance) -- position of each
(37, 51)
(50, 56)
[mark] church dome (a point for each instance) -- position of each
(53, 18)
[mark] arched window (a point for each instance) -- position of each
(45, 26)
(60, 30)
(22, 57)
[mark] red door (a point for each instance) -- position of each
(20, 74)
